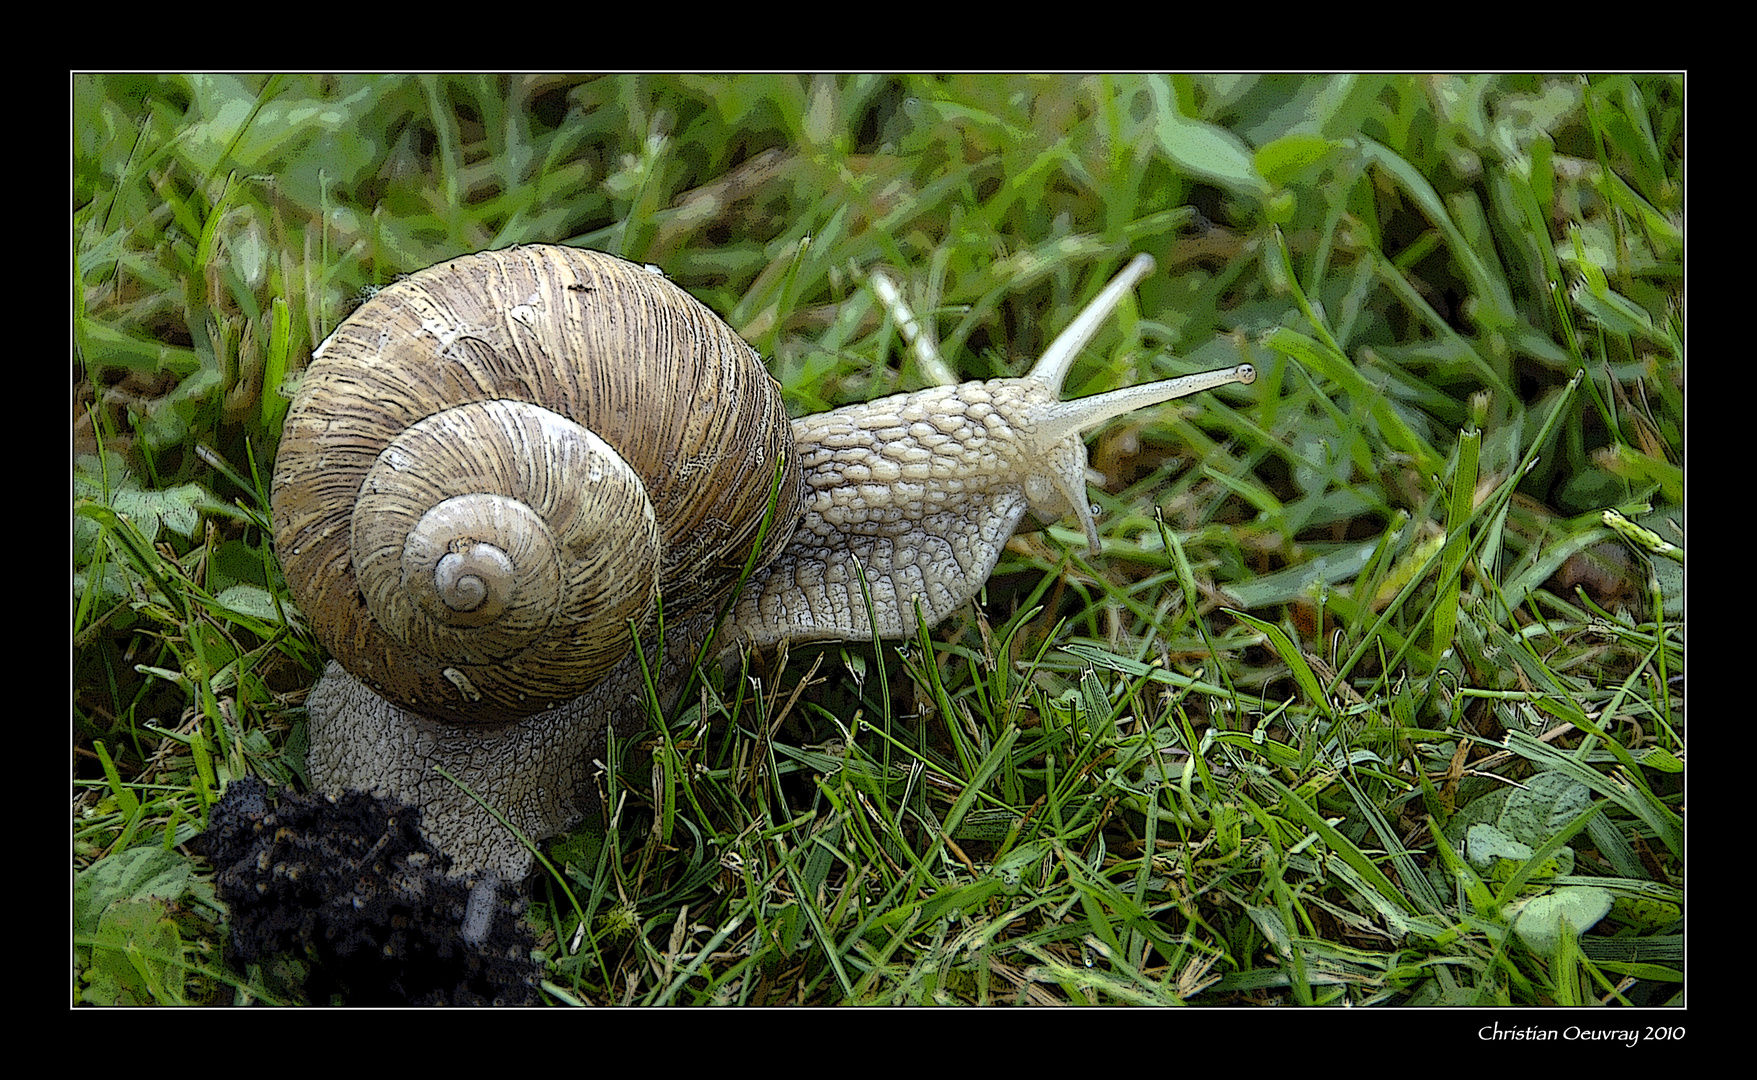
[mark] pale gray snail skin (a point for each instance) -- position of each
(491, 356)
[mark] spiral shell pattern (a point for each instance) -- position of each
(499, 465)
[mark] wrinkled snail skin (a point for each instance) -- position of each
(498, 464)
(538, 771)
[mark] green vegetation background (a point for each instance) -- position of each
(1366, 699)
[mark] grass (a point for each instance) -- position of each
(1367, 699)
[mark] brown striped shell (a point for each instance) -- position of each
(499, 464)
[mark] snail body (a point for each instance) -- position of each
(505, 472)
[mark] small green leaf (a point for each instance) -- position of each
(1282, 160)
(252, 600)
(1486, 844)
(1203, 149)
(1645, 912)
(1541, 921)
(1548, 801)
(133, 956)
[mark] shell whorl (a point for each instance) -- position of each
(499, 463)
(534, 589)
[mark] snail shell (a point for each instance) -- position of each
(499, 465)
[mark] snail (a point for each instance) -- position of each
(515, 484)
